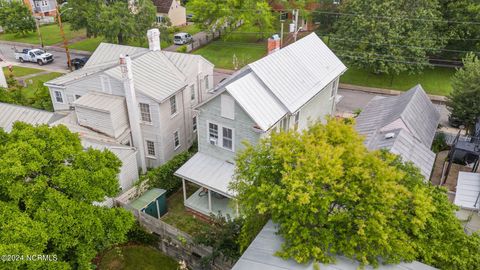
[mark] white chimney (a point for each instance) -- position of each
(133, 110)
(153, 39)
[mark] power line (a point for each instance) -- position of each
(391, 17)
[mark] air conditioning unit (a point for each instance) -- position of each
(213, 141)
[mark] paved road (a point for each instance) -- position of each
(58, 65)
(353, 100)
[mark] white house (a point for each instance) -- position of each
(291, 88)
(137, 97)
(171, 9)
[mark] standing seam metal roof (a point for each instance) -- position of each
(9, 114)
(100, 101)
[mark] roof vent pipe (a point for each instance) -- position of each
(153, 36)
(389, 135)
(133, 110)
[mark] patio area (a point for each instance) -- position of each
(199, 202)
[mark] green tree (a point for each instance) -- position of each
(464, 100)
(15, 17)
(388, 37)
(119, 21)
(462, 28)
(330, 195)
(47, 186)
(41, 98)
(211, 15)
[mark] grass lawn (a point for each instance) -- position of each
(177, 215)
(221, 53)
(21, 71)
(192, 29)
(136, 257)
(434, 81)
(50, 33)
(29, 91)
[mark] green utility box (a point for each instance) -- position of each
(153, 202)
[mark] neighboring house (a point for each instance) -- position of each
(42, 7)
(288, 89)
(143, 99)
(171, 9)
(9, 114)
(405, 125)
(261, 255)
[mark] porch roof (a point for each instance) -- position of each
(209, 172)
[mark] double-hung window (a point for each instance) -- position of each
(297, 119)
(150, 148)
(145, 113)
(176, 140)
(58, 96)
(173, 105)
(194, 124)
(207, 84)
(227, 138)
(213, 133)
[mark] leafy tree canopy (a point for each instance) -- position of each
(15, 17)
(119, 21)
(388, 37)
(212, 15)
(330, 195)
(47, 186)
(464, 100)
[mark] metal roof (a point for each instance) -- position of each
(108, 54)
(257, 101)
(209, 172)
(100, 101)
(410, 117)
(260, 255)
(299, 71)
(154, 75)
(147, 198)
(468, 190)
(9, 114)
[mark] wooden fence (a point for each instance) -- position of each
(172, 241)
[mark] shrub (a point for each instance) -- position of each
(162, 177)
(182, 49)
(439, 143)
(139, 235)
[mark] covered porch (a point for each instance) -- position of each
(212, 177)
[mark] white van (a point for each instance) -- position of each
(182, 38)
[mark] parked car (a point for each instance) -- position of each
(182, 38)
(78, 63)
(189, 17)
(454, 122)
(35, 56)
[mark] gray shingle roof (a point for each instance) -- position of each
(410, 117)
(260, 256)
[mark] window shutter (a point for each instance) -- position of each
(227, 109)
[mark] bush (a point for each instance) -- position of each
(139, 235)
(162, 177)
(182, 49)
(439, 143)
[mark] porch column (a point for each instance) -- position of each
(184, 191)
(209, 201)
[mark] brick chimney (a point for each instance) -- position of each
(133, 110)
(273, 44)
(154, 39)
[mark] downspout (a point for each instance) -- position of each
(133, 110)
(184, 117)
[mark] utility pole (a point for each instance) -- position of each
(37, 24)
(65, 42)
(281, 36)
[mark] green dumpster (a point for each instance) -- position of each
(153, 202)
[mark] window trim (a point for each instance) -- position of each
(193, 95)
(207, 83)
(147, 154)
(220, 135)
(172, 114)
(106, 84)
(176, 135)
(141, 113)
(334, 89)
(194, 123)
(61, 96)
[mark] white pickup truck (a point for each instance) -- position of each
(34, 55)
